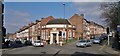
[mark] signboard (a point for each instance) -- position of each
(118, 27)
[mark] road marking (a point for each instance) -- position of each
(102, 46)
(57, 52)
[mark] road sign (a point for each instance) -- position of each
(118, 27)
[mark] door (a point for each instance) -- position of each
(54, 38)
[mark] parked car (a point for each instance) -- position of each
(38, 43)
(15, 44)
(83, 43)
(92, 37)
(88, 42)
(97, 40)
(28, 42)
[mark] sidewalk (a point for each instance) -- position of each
(109, 50)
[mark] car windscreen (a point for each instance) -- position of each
(37, 41)
(97, 39)
(82, 41)
(88, 40)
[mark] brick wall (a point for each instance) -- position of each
(78, 22)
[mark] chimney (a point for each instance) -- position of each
(42, 18)
(82, 15)
(29, 24)
(37, 20)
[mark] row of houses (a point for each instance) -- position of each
(57, 30)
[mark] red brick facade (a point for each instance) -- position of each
(78, 22)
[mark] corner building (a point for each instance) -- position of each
(57, 30)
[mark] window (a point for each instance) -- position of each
(70, 33)
(60, 33)
(42, 34)
(63, 34)
(73, 33)
(46, 34)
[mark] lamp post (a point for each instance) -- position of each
(64, 18)
(64, 9)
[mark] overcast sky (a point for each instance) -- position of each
(18, 14)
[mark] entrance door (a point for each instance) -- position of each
(38, 37)
(54, 38)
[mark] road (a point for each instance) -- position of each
(69, 49)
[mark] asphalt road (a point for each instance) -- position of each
(69, 49)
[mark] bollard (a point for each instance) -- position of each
(60, 43)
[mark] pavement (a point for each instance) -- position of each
(69, 49)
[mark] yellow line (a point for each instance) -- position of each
(102, 46)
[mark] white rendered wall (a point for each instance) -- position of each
(56, 26)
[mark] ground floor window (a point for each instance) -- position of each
(69, 33)
(63, 34)
(47, 34)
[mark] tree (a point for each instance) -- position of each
(110, 13)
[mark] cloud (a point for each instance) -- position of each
(90, 9)
(15, 19)
(95, 0)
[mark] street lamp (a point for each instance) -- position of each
(64, 18)
(64, 9)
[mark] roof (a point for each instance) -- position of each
(58, 21)
(45, 20)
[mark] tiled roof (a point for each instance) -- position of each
(58, 21)
(45, 20)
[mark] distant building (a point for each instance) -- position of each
(56, 30)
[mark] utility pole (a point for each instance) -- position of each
(108, 32)
(118, 25)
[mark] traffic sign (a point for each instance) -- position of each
(118, 27)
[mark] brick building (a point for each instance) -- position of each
(57, 30)
(77, 21)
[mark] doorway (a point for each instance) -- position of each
(54, 38)
(38, 38)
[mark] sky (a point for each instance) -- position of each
(61, 0)
(19, 14)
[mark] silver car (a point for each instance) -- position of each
(97, 41)
(81, 43)
(38, 43)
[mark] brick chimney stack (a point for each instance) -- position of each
(82, 15)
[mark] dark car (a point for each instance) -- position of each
(104, 36)
(28, 42)
(15, 44)
(19, 43)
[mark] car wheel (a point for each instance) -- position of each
(42, 45)
(76, 46)
(85, 46)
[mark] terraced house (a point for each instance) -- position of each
(56, 30)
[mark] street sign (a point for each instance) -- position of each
(118, 27)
